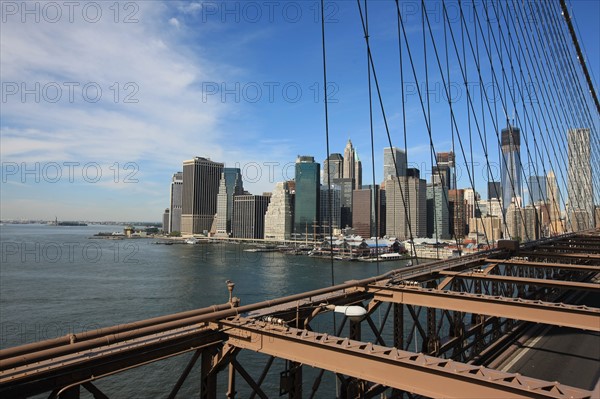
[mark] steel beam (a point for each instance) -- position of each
(47, 375)
(564, 266)
(525, 280)
(580, 257)
(559, 314)
(407, 371)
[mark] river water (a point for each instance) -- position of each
(57, 280)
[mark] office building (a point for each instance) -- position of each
(352, 165)
(457, 218)
(537, 189)
(230, 185)
(438, 213)
(511, 166)
(553, 196)
(494, 190)
(357, 171)
(522, 223)
(368, 213)
(279, 216)
(201, 178)
(443, 171)
(579, 184)
(308, 198)
(335, 165)
(394, 162)
(403, 221)
(471, 198)
(346, 188)
(489, 227)
(176, 203)
(165, 221)
(331, 209)
(249, 215)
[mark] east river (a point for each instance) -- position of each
(55, 280)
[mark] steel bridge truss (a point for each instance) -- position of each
(429, 330)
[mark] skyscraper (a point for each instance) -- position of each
(201, 178)
(511, 166)
(279, 216)
(349, 157)
(176, 203)
(522, 223)
(579, 184)
(230, 185)
(335, 163)
(471, 198)
(330, 207)
(458, 220)
(346, 187)
(307, 199)
(166, 221)
(445, 169)
(394, 162)
(400, 221)
(553, 195)
(437, 211)
(352, 165)
(368, 214)
(249, 215)
(357, 170)
(494, 190)
(537, 189)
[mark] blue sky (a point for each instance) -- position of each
(101, 103)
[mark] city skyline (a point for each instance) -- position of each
(164, 77)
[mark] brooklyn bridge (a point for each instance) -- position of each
(520, 318)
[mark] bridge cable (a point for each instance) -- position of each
(327, 147)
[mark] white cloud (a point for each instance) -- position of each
(124, 62)
(191, 8)
(175, 22)
(146, 63)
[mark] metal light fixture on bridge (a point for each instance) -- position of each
(354, 313)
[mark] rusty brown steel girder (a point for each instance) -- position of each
(559, 314)
(103, 332)
(391, 367)
(81, 367)
(580, 257)
(564, 266)
(524, 280)
(570, 248)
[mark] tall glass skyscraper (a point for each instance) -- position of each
(579, 185)
(307, 199)
(331, 207)
(394, 162)
(511, 166)
(537, 189)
